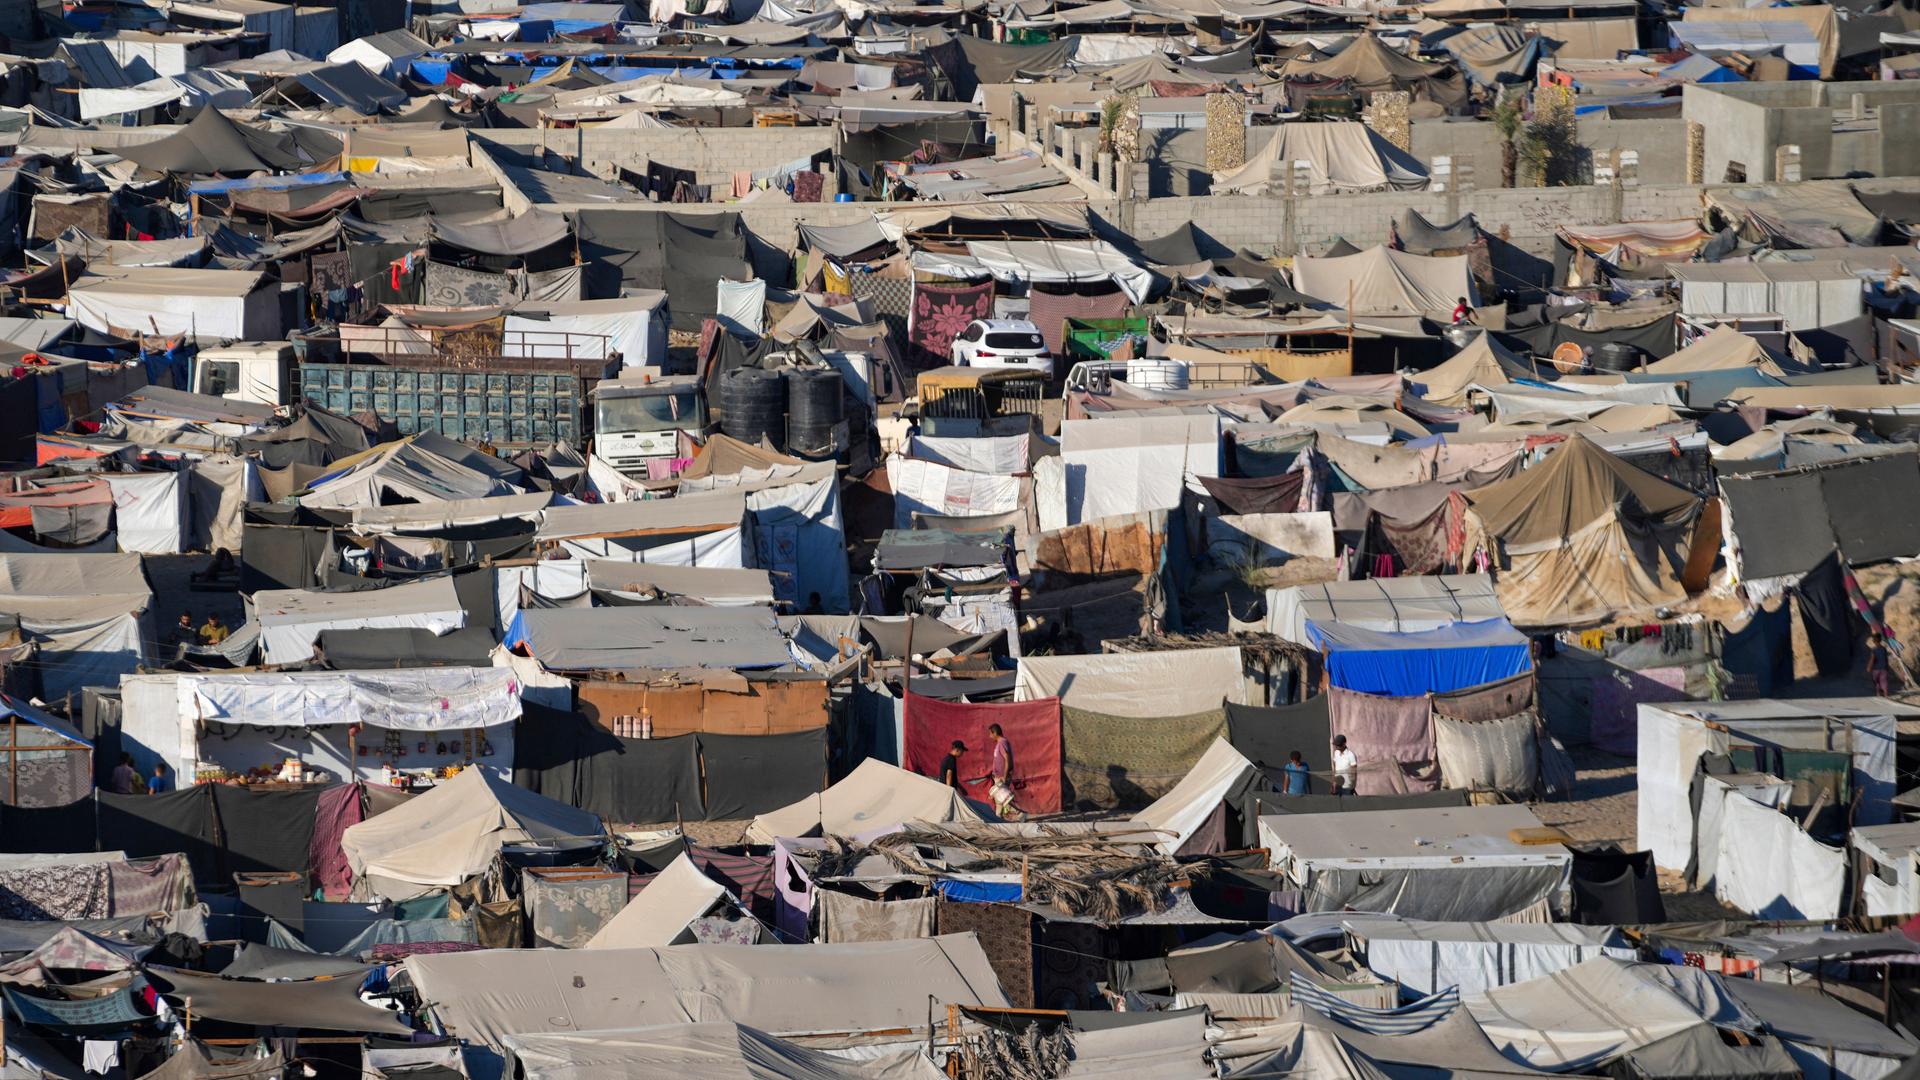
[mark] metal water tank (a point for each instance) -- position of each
(814, 406)
(753, 404)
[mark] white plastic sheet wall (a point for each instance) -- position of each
(150, 512)
(1771, 869)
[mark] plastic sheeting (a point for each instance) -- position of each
(1033, 733)
(1137, 685)
(1593, 1012)
(1425, 957)
(1771, 869)
(1451, 658)
(420, 699)
(1489, 755)
(1116, 762)
(714, 1049)
(291, 622)
(663, 909)
(1134, 464)
(149, 511)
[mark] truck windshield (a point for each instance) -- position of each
(652, 412)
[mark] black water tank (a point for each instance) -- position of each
(1616, 356)
(753, 404)
(813, 408)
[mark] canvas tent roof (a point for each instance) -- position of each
(1419, 837)
(60, 587)
(213, 143)
(1575, 486)
(1484, 362)
(697, 1051)
(1382, 281)
(1181, 812)
(1383, 604)
(1596, 1010)
(404, 470)
(455, 830)
(1723, 348)
(1368, 62)
(786, 989)
(291, 620)
(873, 796)
(661, 912)
(653, 638)
(1340, 156)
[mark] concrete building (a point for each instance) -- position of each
(1768, 131)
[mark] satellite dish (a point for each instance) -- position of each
(1570, 358)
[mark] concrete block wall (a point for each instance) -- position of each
(712, 153)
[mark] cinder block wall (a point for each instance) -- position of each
(712, 153)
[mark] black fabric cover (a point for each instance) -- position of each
(1423, 237)
(182, 821)
(269, 898)
(282, 556)
(1654, 338)
(211, 143)
(1761, 652)
(754, 774)
(1616, 888)
(1256, 495)
(969, 61)
(100, 709)
(1827, 616)
(406, 647)
(47, 830)
(1266, 735)
(1874, 505)
(1242, 967)
(1777, 522)
(568, 757)
(267, 829)
(633, 249)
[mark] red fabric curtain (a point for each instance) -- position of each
(1033, 727)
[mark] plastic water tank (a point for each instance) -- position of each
(1157, 374)
(813, 408)
(1616, 356)
(753, 404)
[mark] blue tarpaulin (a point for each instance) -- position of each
(1423, 662)
(979, 892)
(432, 72)
(264, 183)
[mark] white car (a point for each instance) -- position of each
(1003, 343)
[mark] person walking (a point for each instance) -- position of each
(1879, 665)
(1295, 774)
(1002, 790)
(950, 766)
(126, 778)
(1345, 766)
(162, 780)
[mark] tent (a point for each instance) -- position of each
(291, 620)
(1341, 156)
(1447, 864)
(491, 995)
(694, 1051)
(1369, 64)
(46, 761)
(1384, 604)
(1584, 535)
(1483, 362)
(86, 614)
(1382, 281)
(1133, 464)
(664, 909)
(1137, 684)
(213, 143)
(1786, 524)
(1427, 957)
(455, 831)
(388, 53)
(1411, 663)
(632, 326)
(150, 514)
(1180, 813)
(403, 471)
(1724, 347)
(1579, 1019)
(873, 796)
(154, 300)
(648, 637)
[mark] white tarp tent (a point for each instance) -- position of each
(784, 989)
(402, 471)
(1382, 281)
(1142, 684)
(1672, 737)
(1891, 848)
(150, 511)
(927, 487)
(874, 796)
(1393, 605)
(87, 613)
(1044, 261)
(1446, 864)
(1768, 866)
(1134, 464)
(237, 304)
(291, 620)
(635, 327)
(1583, 1017)
(1181, 812)
(1336, 157)
(663, 910)
(455, 831)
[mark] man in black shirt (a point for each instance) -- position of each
(950, 767)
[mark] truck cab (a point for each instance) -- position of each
(261, 372)
(636, 419)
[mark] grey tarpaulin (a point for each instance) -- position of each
(1488, 755)
(1777, 522)
(515, 236)
(1267, 735)
(631, 249)
(193, 1062)
(314, 1004)
(145, 825)
(265, 830)
(405, 647)
(748, 775)
(255, 961)
(566, 908)
(48, 830)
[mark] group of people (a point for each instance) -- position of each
(209, 633)
(128, 781)
(1295, 773)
